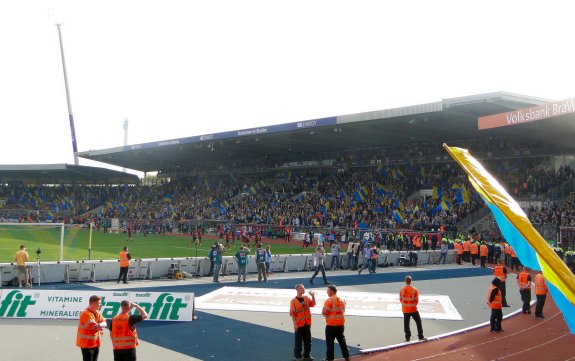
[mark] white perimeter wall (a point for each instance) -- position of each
(103, 270)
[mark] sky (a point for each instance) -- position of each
(182, 68)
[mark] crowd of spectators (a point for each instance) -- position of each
(485, 148)
(560, 214)
(377, 193)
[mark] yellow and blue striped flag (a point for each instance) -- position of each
(437, 193)
(533, 251)
(398, 216)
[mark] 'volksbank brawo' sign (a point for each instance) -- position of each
(160, 306)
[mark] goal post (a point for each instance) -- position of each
(41, 239)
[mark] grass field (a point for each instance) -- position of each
(107, 246)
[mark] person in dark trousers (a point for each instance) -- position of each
(261, 263)
(125, 258)
(90, 326)
(319, 263)
(123, 331)
(301, 315)
(541, 291)
(495, 302)
(211, 255)
(524, 283)
(483, 253)
(409, 298)
(217, 259)
(334, 313)
(500, 271)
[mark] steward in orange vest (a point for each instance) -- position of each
(524, 283)
(90, 326)
(500, 272)
(483, 252)
(459, 249)
(334, 313)
(123, 331)
(474, 250)
(466, 250)
(541, 294)
(494, 301)
(416, 242)
(125, 258)
(299, 311)
(409, 298)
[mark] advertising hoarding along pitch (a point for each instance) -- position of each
(160, 306)
(526, 115)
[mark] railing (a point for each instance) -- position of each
(562, 191)
(473, 218)
(567, 238)
(12, 215)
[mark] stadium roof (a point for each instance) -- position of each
(443, 121)
(63, 174)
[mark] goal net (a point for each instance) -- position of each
(42, 240)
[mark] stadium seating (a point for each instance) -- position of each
(371, 189)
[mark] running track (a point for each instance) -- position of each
(524, 338)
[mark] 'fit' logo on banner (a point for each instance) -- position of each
(15, 303)
(166, 307)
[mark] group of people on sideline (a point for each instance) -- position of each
(263, 261)
(333, 312)
(497, 295)
(122, 330)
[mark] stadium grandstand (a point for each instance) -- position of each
(381, 170)
(381, 179)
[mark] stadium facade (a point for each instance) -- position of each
(453, 120)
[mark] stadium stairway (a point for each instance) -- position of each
(473, 220)
(92, 211)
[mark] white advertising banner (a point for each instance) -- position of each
(298, 236)
(28, 303)
(373, 304)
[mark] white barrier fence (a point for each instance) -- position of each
(148, 268)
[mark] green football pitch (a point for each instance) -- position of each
(107, 245)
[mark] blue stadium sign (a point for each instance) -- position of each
(314, 123)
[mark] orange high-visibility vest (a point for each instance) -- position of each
(524, 284)
(459, 248)
(301, 313)
(497, 301)
(409, 297)
(466, 246)
(121, 334)
(498, 272)
(483, 250)
(87, 335)
(540, 285)
(474, 248)
(124, 261)
(334, 309)
(416, 242)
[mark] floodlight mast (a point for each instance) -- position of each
(69, 102)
